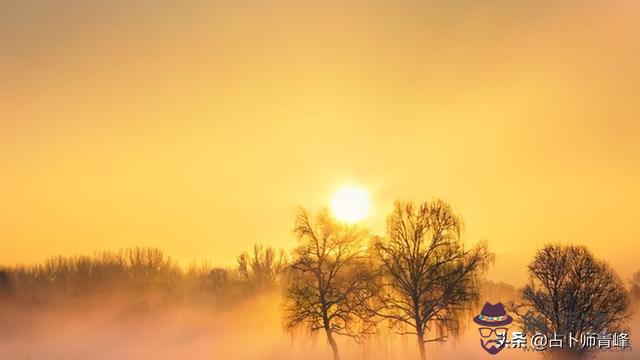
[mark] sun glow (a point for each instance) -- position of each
(350, 204)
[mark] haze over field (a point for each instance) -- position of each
(161, 327)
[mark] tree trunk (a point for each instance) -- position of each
(332, 342)
(423, 354)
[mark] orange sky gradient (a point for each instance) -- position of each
(199, 127)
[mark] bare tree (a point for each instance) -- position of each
(330, 280)
(206, 282)
(262, 267)
(150, 267)
(217, 280)
(571, 292)
(428, 277)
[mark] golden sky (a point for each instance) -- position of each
(198, 127)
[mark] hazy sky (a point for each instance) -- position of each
(198, 127)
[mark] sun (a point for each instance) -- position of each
(350, 204)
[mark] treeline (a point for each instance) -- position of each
(419, 279)
(141, 276)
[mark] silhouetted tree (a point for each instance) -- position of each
(428, 277)
(150, 267)
(569, 291)
(262, 268)
(218, 280)
(208, 283)
(329, 280)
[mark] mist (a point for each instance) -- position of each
(166, 312)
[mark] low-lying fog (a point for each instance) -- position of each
(251, 330)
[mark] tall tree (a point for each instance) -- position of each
(330, 280)
(428, 276)
(569, 291)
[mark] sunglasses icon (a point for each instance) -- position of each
(485, 332)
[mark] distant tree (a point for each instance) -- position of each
(217, 281)
(428, 276)
(329, 279)
(206, 282)
(262, 267)
(150, 267)
(569, 291)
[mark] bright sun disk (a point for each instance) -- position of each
(350, 204)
